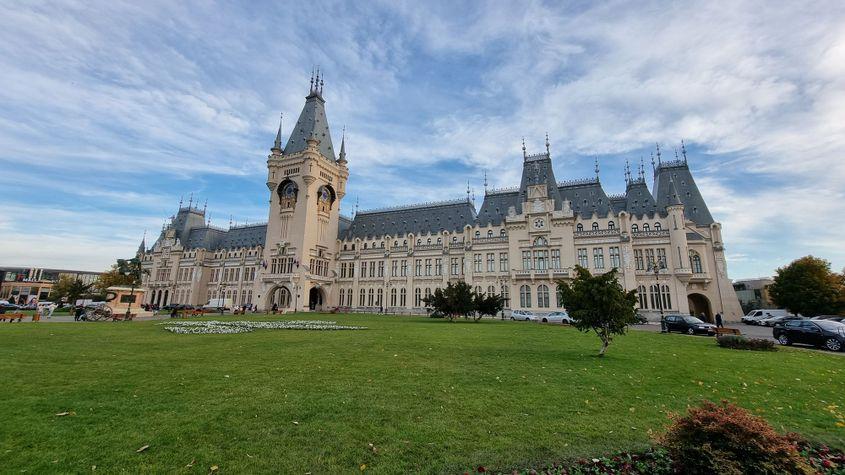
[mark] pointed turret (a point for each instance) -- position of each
(143, 247)
(675, 198)
(277, 144)
(342, 156)
(312, 123)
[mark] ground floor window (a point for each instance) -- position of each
(525, 296)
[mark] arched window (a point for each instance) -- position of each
(503, 233)
(477, 234)
(657, 226)
(579, 227)
(543, 296)
(362, 299)
(491, 290)
(344, 247)
(365, 245)
(381, 245)
(341, 295)
(353, 247)
(667, 298)
(402, 294)
(646, 227)
(695, 263)
(643, 298)
(417, 297)
(454, 238)
(428, 241)
(379, 296)
(595, 226)
(525, 296)
(653, 297)
(419, 242)
(392, 297)
(634, 228)
(541, 241)
(439, 241)
(611, 225)
(370, 298)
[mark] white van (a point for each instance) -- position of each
(753, 317)
(217, 304)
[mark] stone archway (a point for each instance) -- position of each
(316, 299)
(699, 304)
(279, 296)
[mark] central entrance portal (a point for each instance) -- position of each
(315, 299)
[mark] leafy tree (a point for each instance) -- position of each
(460, 300)
(598, 303)
(70, 288)
(111, 278)
(807, 286)
(488, 304)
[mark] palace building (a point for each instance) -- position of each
(520, 242)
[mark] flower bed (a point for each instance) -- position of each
(218, 327)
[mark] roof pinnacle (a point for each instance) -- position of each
(342, 155)
(597, 168)
(485, 182)
(658, 154)
(684, 150)
(627, 172)
(642, 169)
(653, 168)
(523, 148)
(277, 144)
(547, 144)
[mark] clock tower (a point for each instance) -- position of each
(306, 182)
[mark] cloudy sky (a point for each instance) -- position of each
(109, 112)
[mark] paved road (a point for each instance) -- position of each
(750, 331)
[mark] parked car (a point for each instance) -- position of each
(821, 333)
(689, 325)
(755, 316)
(832, 318)
(640, 319)
(526, 315)
(557, 317)
(9, 307)
(772, 321)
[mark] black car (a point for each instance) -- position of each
(689, 325)
(821, 333)
(639, 319)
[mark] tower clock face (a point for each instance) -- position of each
(324, 194)
(539, 223)
(289, 191)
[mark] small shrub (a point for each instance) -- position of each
(727, 439)
(737, 342)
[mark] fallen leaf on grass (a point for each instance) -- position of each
(191, 464)
(66, 413)
(214, 468)
(143, 449)
(295, 423)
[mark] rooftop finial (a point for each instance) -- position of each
(468, 190)
(523, 148)
(627, 172)
(485, 182)
(277, 144)
(231, 217)
(547, 144)
(684, 150)
(311, 87)
(642, 169)
(356, 206)
(180, 201)
(205, 206)
(676, 153)
(658, 154)
(342, 155)
(191, 200)
(597, 167)
(653, 168)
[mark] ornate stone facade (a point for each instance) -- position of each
(518, 243)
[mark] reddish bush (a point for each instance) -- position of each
(727, 439)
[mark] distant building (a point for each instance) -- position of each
(754, 293)
(519, 243)
(25, 284)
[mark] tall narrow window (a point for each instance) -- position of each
(543, 296)
(667, 298)
(598, 257)
(615, 262)
(583, 260)
(642, 296)
(695, 263)
(525, 296)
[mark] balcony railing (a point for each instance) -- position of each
(490, 240)
(650, 234)
(428, 247)
(597, 233)
(399, 249)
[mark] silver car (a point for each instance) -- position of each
(557, 317)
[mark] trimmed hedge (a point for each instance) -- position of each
(741, 343)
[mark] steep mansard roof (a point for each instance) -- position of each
(638, 200)
(418, 219)
(312, 122)
(213, 238)
(586, 197)
(494, 209)
(678, 173)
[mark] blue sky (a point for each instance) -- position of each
(109, 112)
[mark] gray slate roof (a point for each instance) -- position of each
(586, 197)
(312, 122)
(214, 238)
(695, 209)
(638, 200)
(418, 219)
(494, 209)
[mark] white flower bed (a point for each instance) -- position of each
(218, 327)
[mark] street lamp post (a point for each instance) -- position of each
(128, 315)
(656, 267)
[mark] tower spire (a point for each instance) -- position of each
(468, 191)
(191, 201)
(676, 153)
(547, 144)
(277, 144)
(205, 206)
(627, 172)
(597, 168)
(642, 169)
(653, 167)
(658, 154)
(524, 155)
(311, 87)
(342, 156)
(684, 150)
(485, 182)
(180, 201)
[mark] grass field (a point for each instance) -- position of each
(429, 396)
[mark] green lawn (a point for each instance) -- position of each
(429, 395)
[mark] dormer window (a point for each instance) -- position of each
(503, 233)
(657, 226)
(611, 225)
(579, 227)
(646, 227)
(634, 228)
(595, 226)
(490, 233)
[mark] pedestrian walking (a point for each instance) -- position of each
(719, 320)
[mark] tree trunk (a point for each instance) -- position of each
(605, 341)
